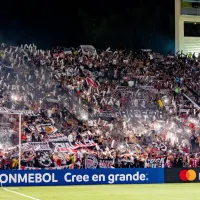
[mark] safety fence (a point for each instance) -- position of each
(98, 176)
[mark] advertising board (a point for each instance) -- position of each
(182, 175)
(81, 177)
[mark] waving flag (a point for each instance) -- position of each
(91, 82)
(78, 89)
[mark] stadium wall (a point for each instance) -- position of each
(187, 44)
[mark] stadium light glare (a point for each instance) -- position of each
(97, 131)
(166, 100)
(188, 131)
(13, 97)
(157, 126)
(84, 117)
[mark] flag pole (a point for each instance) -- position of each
(20, 139)
(195, 105)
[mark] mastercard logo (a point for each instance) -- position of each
(187, 175)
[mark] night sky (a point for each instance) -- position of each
(118, 24)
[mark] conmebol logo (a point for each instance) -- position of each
(28, 178)
(187, 175)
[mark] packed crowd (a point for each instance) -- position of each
(88, 108)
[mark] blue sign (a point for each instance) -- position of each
(81, 177)
(177, 79)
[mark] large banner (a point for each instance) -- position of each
(182, 175)
(58, 144)
(81, 177)
(131, 113)
(93, 162)
(5, 110)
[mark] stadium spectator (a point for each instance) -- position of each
(84, 108)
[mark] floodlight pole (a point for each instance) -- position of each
(20, 139)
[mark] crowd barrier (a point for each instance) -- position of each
(98, 176)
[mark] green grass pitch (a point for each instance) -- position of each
(105, 192)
